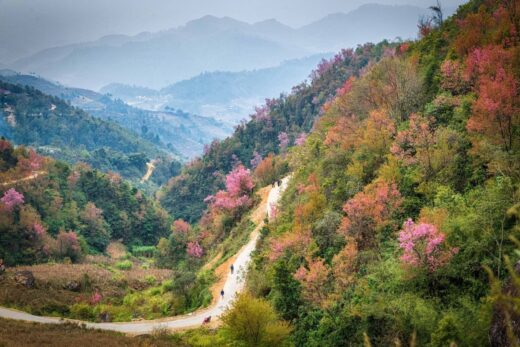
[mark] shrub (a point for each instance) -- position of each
(82, 311)
(124, 265)
(150, 279)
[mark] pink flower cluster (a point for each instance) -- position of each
(96, 298)
(300, 140)
(11, 199)
(295, 241)
(239, 185)
(262, 113)
(38, 229)
(194, 250)
(239, 182)
(424, 246)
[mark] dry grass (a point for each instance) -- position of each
(21, 334)
(50, 296)
(99, 275)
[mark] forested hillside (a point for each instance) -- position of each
(50, 210)
(51, 125)
(274, 127)
(405, 197)
(174, 131)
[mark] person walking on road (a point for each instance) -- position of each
(232, 269)
(222, 293)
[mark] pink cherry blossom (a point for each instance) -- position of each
(194, 250)
(424, 246)
(11, 199)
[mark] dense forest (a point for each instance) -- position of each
(55, 128)
(51, 210)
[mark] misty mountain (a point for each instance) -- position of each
(173, 130)
(227, 96)
(214, 44)
(371, 22)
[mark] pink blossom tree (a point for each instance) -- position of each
(262, 113)
(369, 210)
(300, 140)
(96, 298)
(180, 226)
(424, 246)
(33, 162)
(38, 229)
(239, 182)
(239, 186)
(194, 249)
(313, 280)
(12, 199)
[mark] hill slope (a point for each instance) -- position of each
(32, 118)
(405, 193)
(176, 132)
(289, 115)
(68, 211)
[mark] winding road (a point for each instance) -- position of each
(233, 284)
(32, 176)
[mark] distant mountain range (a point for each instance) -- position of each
(174, 131)
(214, 44)
(226, 96)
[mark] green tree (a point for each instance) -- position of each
(253, 322)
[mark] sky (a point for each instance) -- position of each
(27, 26)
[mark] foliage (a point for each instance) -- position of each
(428, 134)
(68, 211)
(253, 322)
(422, 246)
(64, 132)
(289, 114)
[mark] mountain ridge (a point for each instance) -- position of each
(232, 44)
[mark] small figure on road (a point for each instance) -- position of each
(232, 269)
(206, 320)
(222, 293)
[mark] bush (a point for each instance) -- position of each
(124, 265)
(253, 322)
(150, 279)
(82, 311)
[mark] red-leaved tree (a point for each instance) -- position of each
(369, 210)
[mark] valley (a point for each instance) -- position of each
(229, 182)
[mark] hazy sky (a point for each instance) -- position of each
(27, 26)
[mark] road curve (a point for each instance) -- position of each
(233, 284)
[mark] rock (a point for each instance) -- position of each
(73, 286)
(25, 278)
